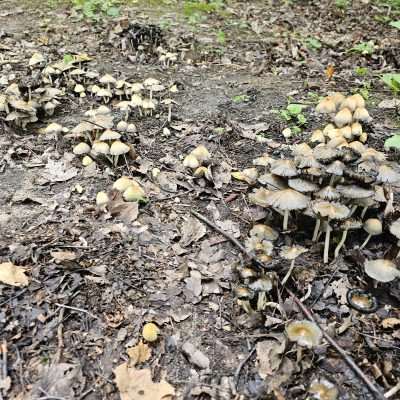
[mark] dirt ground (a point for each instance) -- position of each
(96, 279)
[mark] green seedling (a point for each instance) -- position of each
(96, 9)
(313, 43)
(361, 71)
(393, 81)
(364, 48)
(342, 4)
(393, 142)
(293, 115)
(241, 98)
(395, 24)
(221, 37)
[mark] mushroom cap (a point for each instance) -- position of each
(337, 98)
(103, 110)
(336, 168)
(373, 226)
(131, 128)
(371, 154)
(395, 228)
(313, 171)
(381, 270)
(305, 333)
(317, 137)
(356, 129)
(272, 182)
(259, 197)
(190, 161)
(117, 148)
(123, 105)
(136, 87)
(261, 285)
(360, 102)
(302, 149)
(151, 82)
(248, 175)
(337, 142)
(263, 161)
(307, 161)
(358, 147)
(354, 191)
(346, 132)
(361, 114)
(102, 92)
(108, 134)
(246, 273)
(264, 232)
(292, 252)
(86, 161)
(361, 300)
(53, 128)
(100, 147)
(150, 332)
(328, 193)
(201, 153)
(284, 168)
(350, 103)
(255, 244)
(148, 104)
(122, 126)
(330, 210)
(287, 199)
(326, 106)
(121, 184)
(328, 128)
(202, 171)
(243, 293)
(81, 148)
(102, 198)
(136, 101)
(107, 79)
(302, 185)
(36, 58)
(323, 390)
(387, 174)
(134, 193)
(343, 117)
(325, 153)
(351, 224)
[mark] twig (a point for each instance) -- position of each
(94, 123)
(253, 258)
(77, 309)
(60, 339)
(372, 388)
(325, 286)
(392, 391)
(241, 365)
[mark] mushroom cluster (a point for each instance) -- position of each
(197, 160)
(333, 180)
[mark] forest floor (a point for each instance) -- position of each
(96, 277)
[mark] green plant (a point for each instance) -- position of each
(293, 114)
(313, 43)
(393, 81)
(342, 4)
(393, 142)
(241, 98)
(96, 9)
(395, 24)
(361, 71)
(364, 48)
(221, 37)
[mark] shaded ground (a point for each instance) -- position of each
(123, 275)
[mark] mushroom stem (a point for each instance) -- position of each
(151, 94)
(287, 276)
(327, 238)
(363, 212)
(316, 230)
(341, 243)
(169, 112)
(389, 205)
(116, 160)
(353, 210)
(261, 301)
(366, 241)
(245, 304)
(398, 254)
(127, 115)
(285, 220)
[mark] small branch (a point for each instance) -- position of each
(241, 365)
(236, 242)
(372, 388)
(392, 391)
(77, 309)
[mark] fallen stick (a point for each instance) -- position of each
(307, 313)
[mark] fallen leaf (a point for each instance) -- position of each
(192, 230)
(59, 171)
(330, 70)
(269, 355)
(195, 356)
(136, 384)
(127, 212)
(193, 283)
(139, 354)
(60, 256)
(11, 274)
(390, 322)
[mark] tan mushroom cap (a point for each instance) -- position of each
(350, 103)
(302, 149)
(381, 270)
(190, 161)
(284, 168)
(354, 191)
(292, 252)
(324, 152)
(373, 226)
(323, 390)
(387, 174)
(53, 128)
(81, 148)
(308, 161)
(287, 199)
(201, 153)
(257, 245)
(343, 117)
(248, 175)
(302, 185)
(305, 333)
(328, 193)
(134, 193)
(263, 161)
(337, 98)
(259, 197)
(101, 147)
(330, 210)
(358, 147)
(122, 183)
(361, 114)
(395, 228)
(272, 182)
(264, 232)
(371, 154)
(107, 79)
(356, 129)
(117, 148)
(317, 137)
(336, 168)
(326, 106)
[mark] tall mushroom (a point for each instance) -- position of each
(291, 253)
(373, 226)
(287, 200)
(347, 225)
(387, 175)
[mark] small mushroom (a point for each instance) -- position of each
(395, 231)
(388, 176)
(350, 103)
(361, 114)
(125, 107)
(343, 117)
(150, 332)
(373, 227)
(264, 232)
(100, 147)
(117, 148)
(326, 106)
(305, 333)
(248, 175)
(108, 79)
(190, 161)
(302, 185)
(287, 200)
(169, 103)
(317, 137)
(244, 295)
(285, 168)
(148, 106)
(121, 184)
(259, 197)
(349, 224)
(81, 148)
(291, 253)
(201, 153)
(102, 199)
(86, 161)
(323, 390)
(362, 301)
(108, 134)
(381, 270)
(261, 286)
(134, 193)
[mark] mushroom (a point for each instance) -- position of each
(336, 168)
(357, 147)
(272, 182)
(356, 129)
(134, 193)
(381, 270)
(305, 333)
(307, 161)
(100, 147)
(148, 106)
(287, 200)
(326, 106)
(53, 128)
(291, 253)
(387, 175)
(244, 296)
(102, 199)
(349, 103)
(285, 168)
(259, 197)
(362, 301)
(122, 126)
(137, 101)
(349, 224)
(149, 83)
(190, 161)
(337, 98)
(395, 231)
(343, 117)
(86, 161)
(81, 148)
(328, 193)
(329, 211)
(108, 134)
(201, 153)
(323, 390)
(105, 94)
(261, 286)
(302, 185)
(117, 148)
(354, 192)
(361, 114)
(373, 227)
(131, 128)
(169, 103)
(247, 273)
(248, 175)
(107, 79)
(125, 107)
(150, 332)
(317, 137)
(264, 232)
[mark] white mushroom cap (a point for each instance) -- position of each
(102, 92)
(302, 185)
(381, 270)
(305, 333)
(102, 199)
(121, 184)
(137, 87)
(123, 105)
(264, 232)
(103, 110)
(356, 129)
(307, 162)
(190, 161)
(358, 147)
(284, 168)
(101, 147)
(287, 199)
(107, 79)
(86, 161)
(360, 102)
(136, 101)
(248, 175)
(330, 210)
(395, 228)
(108, 134)
(117, 148)
(81, 148)
(337, 98)
(343, 117)
(292, 252)
(122, 126)
(336, 168)
(151, 82)
(148, 104)
(272, 182)
(53, 128)
(373, 226)
(302, 149)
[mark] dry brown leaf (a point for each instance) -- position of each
(139, 353)
(11, 274)
(127, 212)
(390, 322)
(60, 256)
(330, 70)
(269, 355)
(136, 384)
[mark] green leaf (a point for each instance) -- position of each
(221, 37)
(313, 44)
(113, 11)
(361, 71)
(301, 119)
(395, 24)
(285, 115)
(295, 109)
(392, 80)
(68, 58)
(240, 98)
(393, 142)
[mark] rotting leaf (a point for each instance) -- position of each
(137, 384)
(59, 171)
(127, 212)
(13, 275)
(139, 353)
(193, 284)
(390, 322)
(269, 355)
(192, 230)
